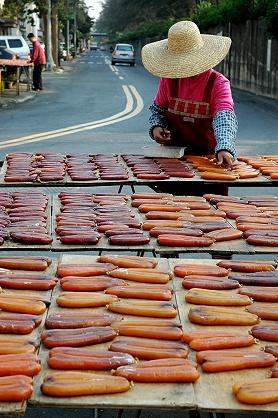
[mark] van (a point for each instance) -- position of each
(123, 53)
(94, 46)
(17, 44)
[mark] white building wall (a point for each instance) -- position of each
(31, 22)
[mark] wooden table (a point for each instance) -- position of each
(19, 408)
(213, 391)
(161, 396)
(20, 65)
(132, 181)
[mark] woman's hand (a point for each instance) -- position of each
(162, 136)
(225, 159)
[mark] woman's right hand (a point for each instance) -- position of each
(162, 136)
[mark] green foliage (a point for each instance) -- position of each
(66, 8)
(126, 20)
(208, 15)
(271, 16)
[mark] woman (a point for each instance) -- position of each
(193, 106)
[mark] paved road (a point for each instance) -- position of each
(89, 91)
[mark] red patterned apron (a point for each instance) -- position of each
(190, 122)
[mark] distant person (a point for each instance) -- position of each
(193, 106)
(39, 60)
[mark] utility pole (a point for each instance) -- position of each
(49, 59)
(67, 30)
(74, 30)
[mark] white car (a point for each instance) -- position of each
(123, 53)
(17, 44)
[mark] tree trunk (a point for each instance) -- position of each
(55, 34)
(49, 58)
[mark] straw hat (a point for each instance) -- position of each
(185, 53)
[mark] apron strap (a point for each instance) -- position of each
(209, 87)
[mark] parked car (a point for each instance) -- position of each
(6, 54)
(123, 53)
(16, 44)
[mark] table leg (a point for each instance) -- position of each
(218, 255)
(1, 85)
(194, 414)
(216, 415)
(95, 413)
(120, 413)
(27, 73)
(170, 255)
(138, 413)
(17, 80)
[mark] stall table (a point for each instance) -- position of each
(20, 65)
(213, 391)
(141, 395)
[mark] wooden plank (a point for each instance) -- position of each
(213, 391)
(19, 408)
(162, 396)
(15, 409)
(103, 243)
(4, 183)
(14, 246)
(44, 295)
(256, 249)
(132, 180)
(238, 246)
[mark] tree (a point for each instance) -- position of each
(124, 15)
(55, 14)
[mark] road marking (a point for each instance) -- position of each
(112, 68)
(121, 78)
(129, 112)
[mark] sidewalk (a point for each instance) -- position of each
(9, 96)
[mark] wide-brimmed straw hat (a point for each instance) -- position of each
(185, 53)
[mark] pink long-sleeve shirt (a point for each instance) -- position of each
(192, 88)
(38, 55)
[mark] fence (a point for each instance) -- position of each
(252, 63)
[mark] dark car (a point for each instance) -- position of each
(6, 54)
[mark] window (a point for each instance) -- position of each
(15, 43)
(3, 43)
(124, 48)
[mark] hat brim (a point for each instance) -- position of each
(159, 61)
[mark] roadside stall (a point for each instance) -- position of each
(137, 332)
(9, 63)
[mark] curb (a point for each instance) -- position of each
(5, 101)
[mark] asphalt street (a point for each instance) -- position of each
(93, 107)
(91, 90)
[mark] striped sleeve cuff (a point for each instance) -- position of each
(225, 129)
(157, 118)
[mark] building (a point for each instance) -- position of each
(29, 22)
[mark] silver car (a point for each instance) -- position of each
(123, 53)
